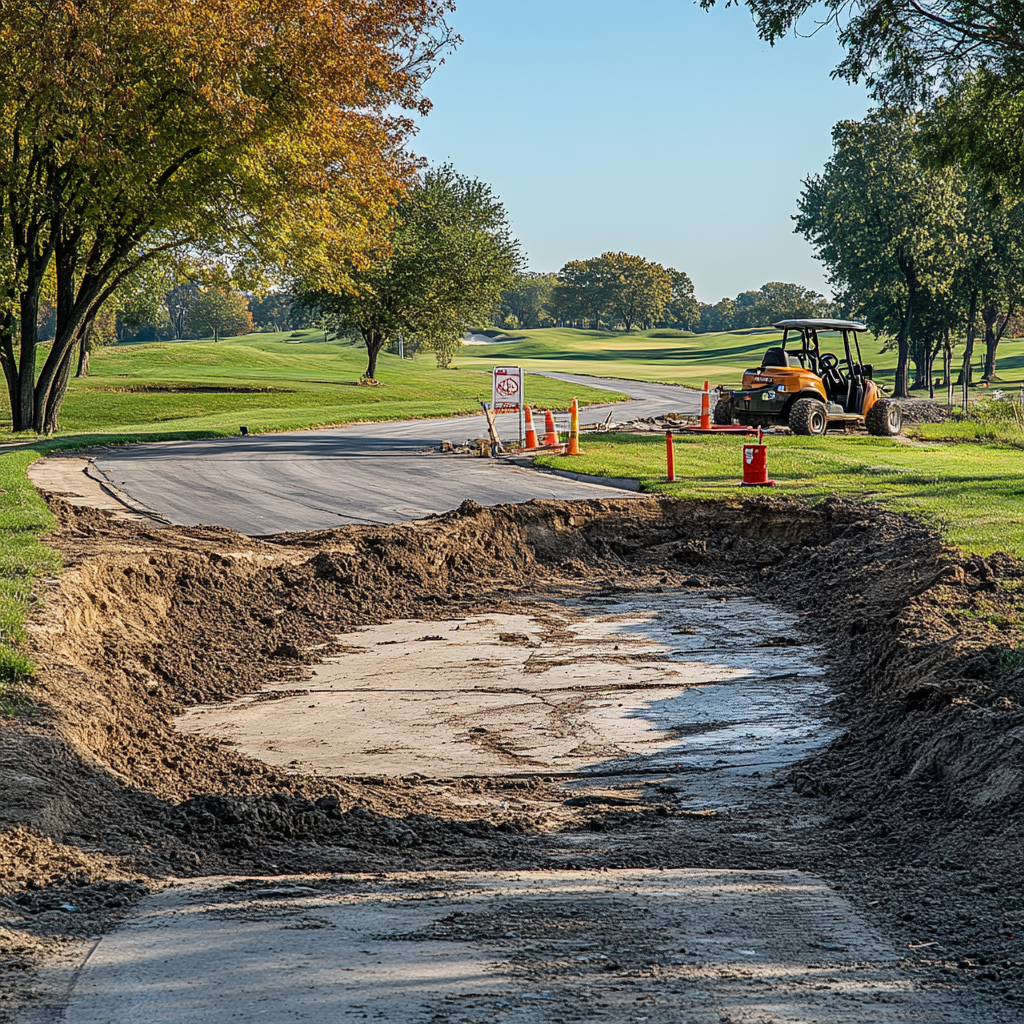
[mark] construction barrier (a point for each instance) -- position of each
(531, 434)
(550, 434)
(574, 428)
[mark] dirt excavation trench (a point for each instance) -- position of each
(645, 760)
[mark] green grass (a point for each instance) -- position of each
(271, 382)
(24, 520)
(972, 493)
(719, 358)
(643, 355)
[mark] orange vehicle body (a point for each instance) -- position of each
(795, 380)
(808, 390)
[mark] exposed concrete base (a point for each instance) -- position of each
(652, 682)
(665, 947)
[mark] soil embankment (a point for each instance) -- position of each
(915, 809)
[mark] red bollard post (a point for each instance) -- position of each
(705, 407)
(671, 456)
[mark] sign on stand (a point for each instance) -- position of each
(507, 392)
(507, 389)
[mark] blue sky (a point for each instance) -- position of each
(647, 126)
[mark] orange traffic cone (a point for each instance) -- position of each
(550, 434)
(574, 428)
(705, 407)
(531, 434)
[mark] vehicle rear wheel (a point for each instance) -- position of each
(723, 413)
(884, 418)
(807, 417)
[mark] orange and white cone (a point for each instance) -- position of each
(574, 428)
(531, 434)
(705, 407)
(550, 434)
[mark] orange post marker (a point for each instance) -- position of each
(574, 428)
(670, 456)
(705, 407)
(531, 434)
(550, 434)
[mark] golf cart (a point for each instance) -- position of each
(800, 387)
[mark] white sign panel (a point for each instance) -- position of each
(507, 389)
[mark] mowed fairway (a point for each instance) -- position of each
(678, 358)
(973, 493)
(271, 382)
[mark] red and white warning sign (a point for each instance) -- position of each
(507, 389)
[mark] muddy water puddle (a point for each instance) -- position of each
(673, 681)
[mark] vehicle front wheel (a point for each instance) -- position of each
(807, 417)
(723, 413)
(884, 418)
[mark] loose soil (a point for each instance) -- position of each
(914, 812)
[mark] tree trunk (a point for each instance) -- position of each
(947, 368)
(900, 389)
(84, 349)
(972, 324)
(55, 396)
(989, 315)
(375, 341)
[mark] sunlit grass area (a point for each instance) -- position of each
(271, 382)
(973, 493)
(680, 358)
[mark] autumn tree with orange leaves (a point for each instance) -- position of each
(268, 133)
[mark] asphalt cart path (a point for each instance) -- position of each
(362, 473)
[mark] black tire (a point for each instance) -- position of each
(808, 418)
(722, 415)
(884, 418)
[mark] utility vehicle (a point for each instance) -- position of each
(800, 387)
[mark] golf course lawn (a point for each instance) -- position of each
(973, 493)
(272, 382)
(679, 358)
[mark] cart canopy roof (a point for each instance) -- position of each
(821, 325)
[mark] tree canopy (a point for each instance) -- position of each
(917, 250)
(774, 301)
(132, 128)
(218, 312)
(450, 256)
(615, 288)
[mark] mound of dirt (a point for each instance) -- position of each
(147, 621)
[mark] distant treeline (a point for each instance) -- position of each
(619, 291)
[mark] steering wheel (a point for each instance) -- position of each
(828, 361)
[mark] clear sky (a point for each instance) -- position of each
(647, 126)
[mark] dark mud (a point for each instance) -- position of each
(915, 810)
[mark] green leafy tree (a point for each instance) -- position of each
(451, 255)
(273, 311)
(580, 294)
(883, 226)
(527, 301)
(778, 300)
(682, 310)
(636, 290)
(219, 313)
(717, 317)
(131, 129)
